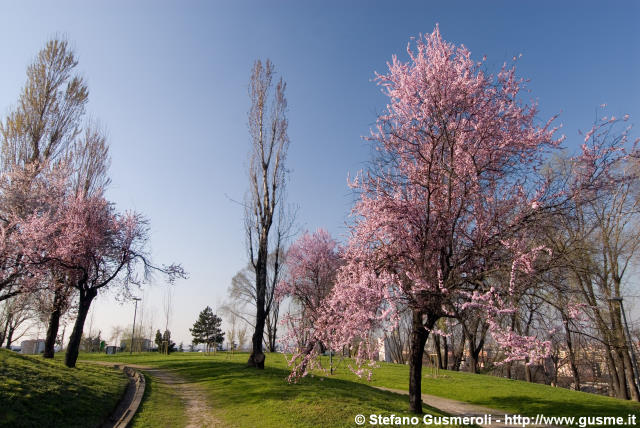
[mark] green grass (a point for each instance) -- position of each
(242, 397)
(518, 397)
(35, 392)
(509, 395)
(248, 397)
(161, 407)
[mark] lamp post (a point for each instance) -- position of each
(133, 331)
(626, 326)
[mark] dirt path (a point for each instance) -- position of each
(460, 408)
(197, 409)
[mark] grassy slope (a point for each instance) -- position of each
(247, 397)
(45, 393)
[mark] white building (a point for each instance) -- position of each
(32, 346)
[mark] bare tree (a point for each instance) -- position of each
(14, 314)
(116, 332)
(242, 336)
(167, 308)
(46, 119)
(264, 203)
(90, 160)
(232, 333)
(396, 342)
(243, 297)
(597, 242)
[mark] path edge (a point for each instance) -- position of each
(130, 401)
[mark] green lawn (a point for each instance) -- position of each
(248, 397)
(35, 392)
(244, 397)
(38, 392)
(504, 394)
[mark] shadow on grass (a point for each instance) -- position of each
(555, 407)
(237, 392)
(38, 392)
(232, 381)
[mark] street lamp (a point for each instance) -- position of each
(133, 331)
(626, 326)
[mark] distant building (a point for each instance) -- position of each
(32, 346)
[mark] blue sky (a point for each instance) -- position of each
(168, 80)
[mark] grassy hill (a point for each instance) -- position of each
(35, 392)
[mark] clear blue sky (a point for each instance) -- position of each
(169, 82)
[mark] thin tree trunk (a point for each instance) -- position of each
(76, 335)
(457, 358)
(3, 333)
(572, 355)
(418, 339)
(436, 345)
(445, 359)
(10, 337)
(54, 324)
(52, 333)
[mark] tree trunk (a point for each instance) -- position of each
(445, 359)
(623, 391)
(527, 373)
(10, 337)
(572, 355)
(619, 390)
(436, 345)
(457, 357)
(271, 334)
(256, 358)
(86, 296)
(473, 356)
(54, 324)
(52, 333)
(3, 333)
(628, 373)
(419, 336)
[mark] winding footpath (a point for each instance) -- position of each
(199, 413)
(197, 410)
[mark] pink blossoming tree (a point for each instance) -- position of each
(446, 207)
(29, 199)
(96, 247)
(312, 263)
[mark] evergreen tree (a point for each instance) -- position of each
(158, 340)
(207, 329)
(167, 345)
